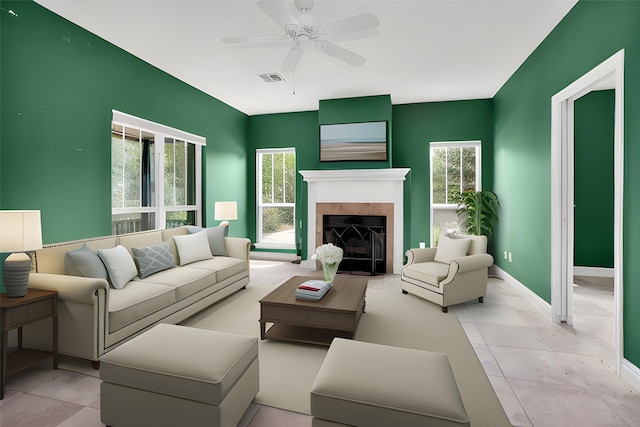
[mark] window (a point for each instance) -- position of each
(155, 175)
(455, 167)
(276, 194)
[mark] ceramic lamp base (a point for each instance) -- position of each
(15, 274)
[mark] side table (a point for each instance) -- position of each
(18, 312)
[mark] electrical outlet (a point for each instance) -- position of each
(510, 258)
(423, 245)
(505, 255)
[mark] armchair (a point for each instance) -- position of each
(454, 272)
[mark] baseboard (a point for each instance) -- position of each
(541, 305)
(593, 271)
(272, 256)
(630, 374)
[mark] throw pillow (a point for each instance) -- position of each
(449, 249)
(216, 237)
(152, 259)
(193, 247)
(120, 265)
(84, 262)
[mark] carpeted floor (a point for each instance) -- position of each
(287, 370)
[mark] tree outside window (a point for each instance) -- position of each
(276, 183)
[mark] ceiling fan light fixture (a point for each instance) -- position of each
(304, 6)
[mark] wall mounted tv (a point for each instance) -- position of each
(353, 141)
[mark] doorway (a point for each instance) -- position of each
(608, 75)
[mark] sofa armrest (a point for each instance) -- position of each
(417, 255)
(238, 247)
(70, 288)
(472, 262)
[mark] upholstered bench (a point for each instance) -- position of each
(175, 375)
(365, 384)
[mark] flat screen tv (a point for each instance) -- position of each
(353, 141)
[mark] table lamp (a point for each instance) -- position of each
(225, 211)
(20, 232)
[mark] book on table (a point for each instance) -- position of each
(312, 290)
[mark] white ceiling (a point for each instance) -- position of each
(423, 50)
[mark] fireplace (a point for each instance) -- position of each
(366, 192)
(362, 239)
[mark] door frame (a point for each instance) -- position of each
(607, 75)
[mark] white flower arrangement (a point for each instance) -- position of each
(328, 254)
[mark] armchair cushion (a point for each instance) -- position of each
(449, 248)
(428, 272)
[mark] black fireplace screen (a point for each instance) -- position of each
(363, 240)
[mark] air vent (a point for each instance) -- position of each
(271, 77)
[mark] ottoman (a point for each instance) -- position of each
(175, 375)
(365, 384)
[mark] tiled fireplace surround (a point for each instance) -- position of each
(357, 192)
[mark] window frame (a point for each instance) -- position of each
(161, 133)
(477, 144)
(260, 205)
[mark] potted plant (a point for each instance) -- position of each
(477, 211)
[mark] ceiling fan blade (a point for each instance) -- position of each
(277, 11)
(252, 39)
(292, 59)
(354, 23)
(340, 53)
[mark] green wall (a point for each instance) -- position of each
(592, 32)
(414, 127)
(59, 84)
(593, 175)
(297, 130)
(359, 109)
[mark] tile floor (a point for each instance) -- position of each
(544, 374)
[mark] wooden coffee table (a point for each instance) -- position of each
(313, 322)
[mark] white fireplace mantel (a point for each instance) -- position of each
(358, 186)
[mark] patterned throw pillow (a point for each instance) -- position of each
(152, 259)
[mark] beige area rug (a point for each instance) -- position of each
(288, 370)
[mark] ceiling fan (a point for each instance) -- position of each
(304, 30)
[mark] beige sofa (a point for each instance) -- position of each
(94, 317)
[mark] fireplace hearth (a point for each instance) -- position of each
(363, 240)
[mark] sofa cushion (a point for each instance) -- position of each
(431, 273)
(224, 267)
(120, 265)
(152, 259)
(193, 247)
(84, 262)
(185, 280)
(136, 301)
(449, 249)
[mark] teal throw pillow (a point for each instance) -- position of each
(84, 262)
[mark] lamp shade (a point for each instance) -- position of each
(225, 211)
(20, 231)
